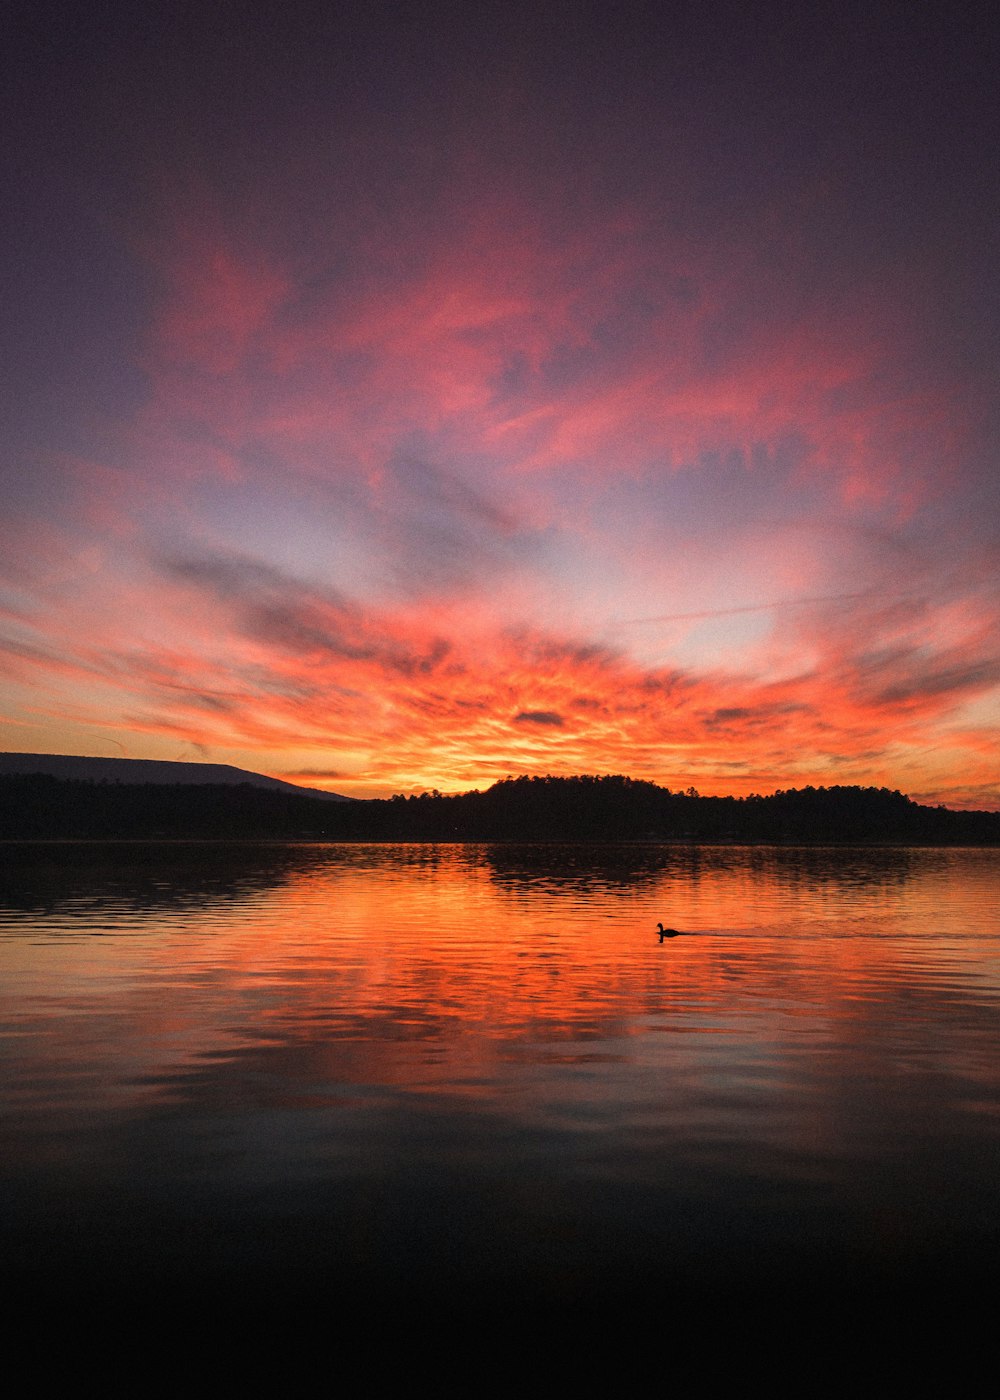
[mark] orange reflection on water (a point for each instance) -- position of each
(454, 969)
(409, 1064)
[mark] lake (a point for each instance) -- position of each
(471, 1072)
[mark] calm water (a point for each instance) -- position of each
(395, 1069)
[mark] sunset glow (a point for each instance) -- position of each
(400, 404)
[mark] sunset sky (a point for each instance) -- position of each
(401, 396)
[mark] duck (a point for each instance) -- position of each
(667, 932)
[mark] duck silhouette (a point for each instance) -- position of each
(667, 932)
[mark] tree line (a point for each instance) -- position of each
(585, 808)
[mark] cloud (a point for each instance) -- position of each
(542, 717)
(318, 626)
(407, 459)
(318, 773)
(401, 699)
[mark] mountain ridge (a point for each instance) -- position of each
(132, 771)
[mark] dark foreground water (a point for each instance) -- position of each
(401, 1074)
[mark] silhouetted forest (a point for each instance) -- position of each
(516, 809)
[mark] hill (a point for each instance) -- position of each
(613, 808)
(132, 771)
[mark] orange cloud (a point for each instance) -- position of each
(397, 507)
(273, 666)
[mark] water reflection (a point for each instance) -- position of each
(626, 866)
(461, 1066)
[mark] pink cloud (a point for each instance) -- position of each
(483, 392)
(508, 338)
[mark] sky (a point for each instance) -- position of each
(400, 397)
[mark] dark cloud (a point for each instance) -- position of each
(973, 796)
(543, 717)
(440, 534)
(274, 608)
(28, 652)
(546, 650)
(300, 619)
(238, 576)
(217, 704)
(941, 676)
(436, 489)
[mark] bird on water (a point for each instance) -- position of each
(667, 932)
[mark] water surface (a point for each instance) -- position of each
(392, 1070)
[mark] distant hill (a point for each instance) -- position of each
(131, 771)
